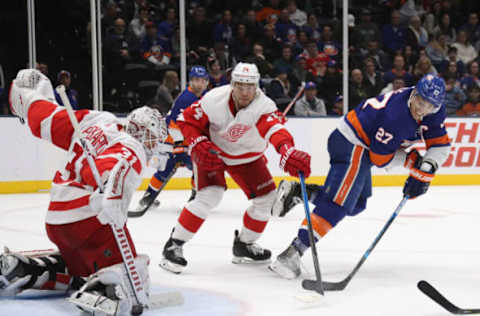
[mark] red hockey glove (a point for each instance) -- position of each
(293, 161)
(205, 154)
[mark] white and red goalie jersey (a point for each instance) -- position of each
(118, 156)
(242, 135)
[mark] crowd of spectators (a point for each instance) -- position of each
(392, 43)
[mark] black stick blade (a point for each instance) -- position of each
(313, 285)
(335, 286)
(431, 292)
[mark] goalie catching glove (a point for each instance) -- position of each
(29, 86)
(421, 175)
(205, 154)
(294, 161)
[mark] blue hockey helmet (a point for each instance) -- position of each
(199, 72)
(432, 89)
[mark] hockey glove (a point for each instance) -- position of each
(205, 154)
(421, 174)
(294, 161)
(29, 86)
(412, 157)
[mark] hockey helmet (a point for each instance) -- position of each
(198, 72)
(148, 126)
(245, 73)
(432, 89)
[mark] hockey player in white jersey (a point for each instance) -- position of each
(79, 216)
(229, 130)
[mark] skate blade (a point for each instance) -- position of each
(171, 267)
(246, 260)
(282, 271)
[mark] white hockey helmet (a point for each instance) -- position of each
(245, 73)
(148, 126)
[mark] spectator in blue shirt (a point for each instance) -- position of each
(394, 35)
(64, 78)
(454, 96)
(222, 31)
(167, 27)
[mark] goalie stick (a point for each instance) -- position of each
(118, 232)
(438, 298)
(339, 286)
(312, 285)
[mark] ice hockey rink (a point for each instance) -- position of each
(435, 237)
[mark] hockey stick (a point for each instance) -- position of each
(134, 214)
(339, 286)
(312, 285)
(289, 106)
(438, 298)
(118, 232)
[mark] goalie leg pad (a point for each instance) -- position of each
(43, 270)
(109, 291)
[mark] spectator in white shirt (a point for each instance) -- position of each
(297, 16)
(309, 105)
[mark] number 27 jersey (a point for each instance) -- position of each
(383, 124)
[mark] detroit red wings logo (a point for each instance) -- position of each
(236, 131)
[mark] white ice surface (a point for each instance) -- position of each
(435, 237)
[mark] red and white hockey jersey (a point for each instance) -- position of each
(73, 185)
(242, 135)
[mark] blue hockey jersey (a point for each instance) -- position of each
(184, 100)
(384, 124)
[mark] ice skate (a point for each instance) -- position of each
(173, 259)
(249, 253)
(287, 264)
(144, 205)
(289, 194)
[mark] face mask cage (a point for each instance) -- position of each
(150, 129)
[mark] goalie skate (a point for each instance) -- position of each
(288, 195)
(249, 253)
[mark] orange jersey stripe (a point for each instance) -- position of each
(155, 183)
(173, 125)
(169, 139)
(353, 119)
(379, 159)
(319, 224)
(442, 140)
(349, 178)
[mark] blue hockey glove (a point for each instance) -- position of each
(421, 174)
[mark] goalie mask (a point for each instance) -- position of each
(147, 126)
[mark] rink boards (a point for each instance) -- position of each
(28, 164)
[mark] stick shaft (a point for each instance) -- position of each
(310, 233)
(289, 106)
(336, 286)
